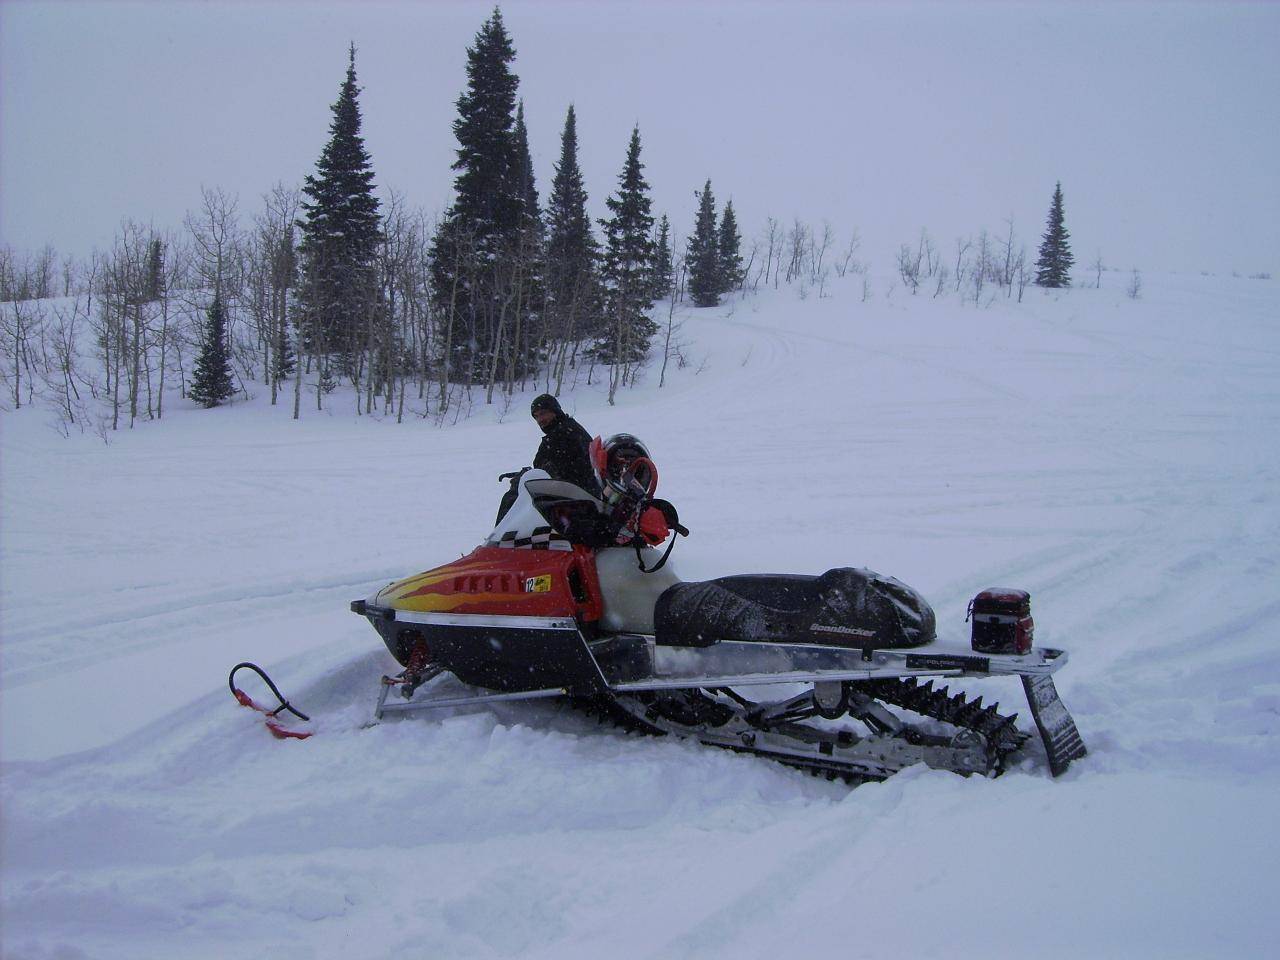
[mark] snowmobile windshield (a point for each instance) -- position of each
(572, 512)
(550, 514)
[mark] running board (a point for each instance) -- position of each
(435, 703)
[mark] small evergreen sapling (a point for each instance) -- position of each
(1053, 268)
(211, 382)
(663, 268)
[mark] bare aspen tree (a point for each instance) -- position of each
(982, 267)
(962, 249)
(270, 267)
(672, 328)
(218, 260)
(8, 278)
(175, 267)
(746, 271)
(1022, 271)
(1134, 289)
(122, 329)
(909, 267)
(215, 234)
(63, 383)
(463, 253)
(928, 253)
(942, 276)
(297, 371)
(383, 347)
(1097, 267)
(773, 238)
(799, 241)
(1007, 258)
(70, 270)
(43, 271)
(818, 253)
(21, 322)
(848, 262)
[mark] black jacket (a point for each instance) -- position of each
(563, 453)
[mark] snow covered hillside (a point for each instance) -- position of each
(1119, 458)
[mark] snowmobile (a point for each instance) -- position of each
(565, 598)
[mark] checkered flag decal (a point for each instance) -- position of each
(543, 538)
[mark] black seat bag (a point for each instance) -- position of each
(845, 607)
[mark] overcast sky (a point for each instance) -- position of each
(1161, 120)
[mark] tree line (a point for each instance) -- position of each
(329, 284)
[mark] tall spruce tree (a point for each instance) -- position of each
(472, 253)
(522, 169)
(341, 230)
(528, 274)
(728, 247)
(211, 381)
(573, 268)
(703, 253)
(1053, 268)
(155, 271)
(628, 271)
(663, 268)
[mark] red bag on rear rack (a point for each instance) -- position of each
(1002, 621)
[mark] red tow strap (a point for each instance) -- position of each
(278, 730)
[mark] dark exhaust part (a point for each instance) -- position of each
(365, 609)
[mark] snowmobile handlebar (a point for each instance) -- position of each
(669, 514)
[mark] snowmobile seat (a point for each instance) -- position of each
(845, 607)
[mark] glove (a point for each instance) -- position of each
(653, 526)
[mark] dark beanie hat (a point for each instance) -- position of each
(545, 402)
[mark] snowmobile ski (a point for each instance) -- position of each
(278, 730)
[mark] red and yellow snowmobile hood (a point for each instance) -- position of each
(504, 582)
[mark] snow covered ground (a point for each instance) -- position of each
(1118, 458)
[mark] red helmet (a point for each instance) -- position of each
(623, 467)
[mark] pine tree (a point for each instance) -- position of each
(728, 250)
(155, 271)
(528, 256)
(211, 382)
(522, 170)
(1053, 268)
(341, 230)
(703, 253)
(488, 196)
(573, 255)
(628, 271)
(471, 255)
(663, 268)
